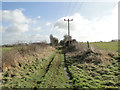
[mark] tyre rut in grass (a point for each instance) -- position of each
(55, 76)
(41, 73)
(49, 65)
(66, 66)
(28, 73)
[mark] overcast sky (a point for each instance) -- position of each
(35, 21)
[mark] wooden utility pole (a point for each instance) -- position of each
(68, 28)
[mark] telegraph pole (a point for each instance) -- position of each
(68, 28)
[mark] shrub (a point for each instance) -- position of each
(8, 59)
(19, 53)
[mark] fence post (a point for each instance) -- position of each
(88, 44)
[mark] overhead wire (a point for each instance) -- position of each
(68, 5)
(73, 7)
(78, 11)
(67, 13)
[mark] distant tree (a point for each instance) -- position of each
(101, 41)
(53, 40)
(114, 40)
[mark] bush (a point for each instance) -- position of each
(18, 54)
(8, 59)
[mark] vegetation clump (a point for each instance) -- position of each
(70, 65)
(93, 65)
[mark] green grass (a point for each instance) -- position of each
(85, 78)
(34, 75)
(55, 77)
(91, 75)
(83, 75)
(94, 76)
(112, 46)
(4, 49)
(26, 75)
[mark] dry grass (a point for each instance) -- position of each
(20, 54)
(90, 55)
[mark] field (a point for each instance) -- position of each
(6, 48)
(111, 46)
(48, 67)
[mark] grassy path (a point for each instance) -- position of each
(27, 75)
(41, 73)
(55, 76)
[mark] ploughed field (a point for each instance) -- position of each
(48, 67)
